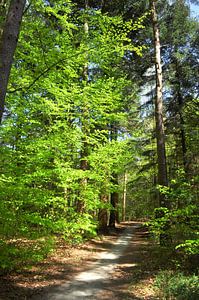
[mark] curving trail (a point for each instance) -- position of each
(95, 282)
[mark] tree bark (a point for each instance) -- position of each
(124, 197)
(103, 215)
(113, 213)
(160, 136)
(180, 104)
(164, 238)
(114, 198)
(8, 45)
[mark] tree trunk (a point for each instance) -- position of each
(84, 180)
(182, 133)
(8, 45)
(164, 237)
(103, 215)
(85, 130)
(114, 198)
(182, 123)
(124, 197)
(113, 212)
(160, 136)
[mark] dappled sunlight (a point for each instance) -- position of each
(128, 265)
(90, 282)
(108, 256)
(101, 269)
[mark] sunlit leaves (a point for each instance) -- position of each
(52, 111)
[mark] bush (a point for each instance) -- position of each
(177, 286)
(19, 254)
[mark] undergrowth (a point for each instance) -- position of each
(176, 285)
(21, 253)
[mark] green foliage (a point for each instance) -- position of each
(81, 228)
(160, 221)
(190, 247)
(177, 286)
(56, 118)
(22, 253)
(181, 221)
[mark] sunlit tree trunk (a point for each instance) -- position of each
(160, 136)
(124, 197)
(8, 43)
(114, 197)
(164, 238)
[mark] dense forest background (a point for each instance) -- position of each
(79, 134)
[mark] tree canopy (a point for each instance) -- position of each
(78, 134)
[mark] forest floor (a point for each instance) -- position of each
(129, 269)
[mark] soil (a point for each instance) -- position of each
(132, 278)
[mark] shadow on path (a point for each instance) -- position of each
(111, 265)
(90, 284)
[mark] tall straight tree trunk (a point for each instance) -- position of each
(8, 43)
(160, 136)
(182, 133)
(85, 125)
(124, 197)
(114, 197)
(114, 203)
(164, 237)
(180, 104)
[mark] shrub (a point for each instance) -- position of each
(177, 286)
(19, 254)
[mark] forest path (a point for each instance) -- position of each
(119, 266)
(92, 283)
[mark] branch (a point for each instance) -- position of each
(37, 78)
(44, 72)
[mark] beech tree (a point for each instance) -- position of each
(78, 137)
(66, 87)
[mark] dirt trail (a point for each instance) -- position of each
(113, 269)
(91, 283)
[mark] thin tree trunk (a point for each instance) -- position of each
(124, 197)
(8, 45)
(114, 202)
(182, 123)
(114, 198)
(85, 115)
(160, 136)
(182, 133)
